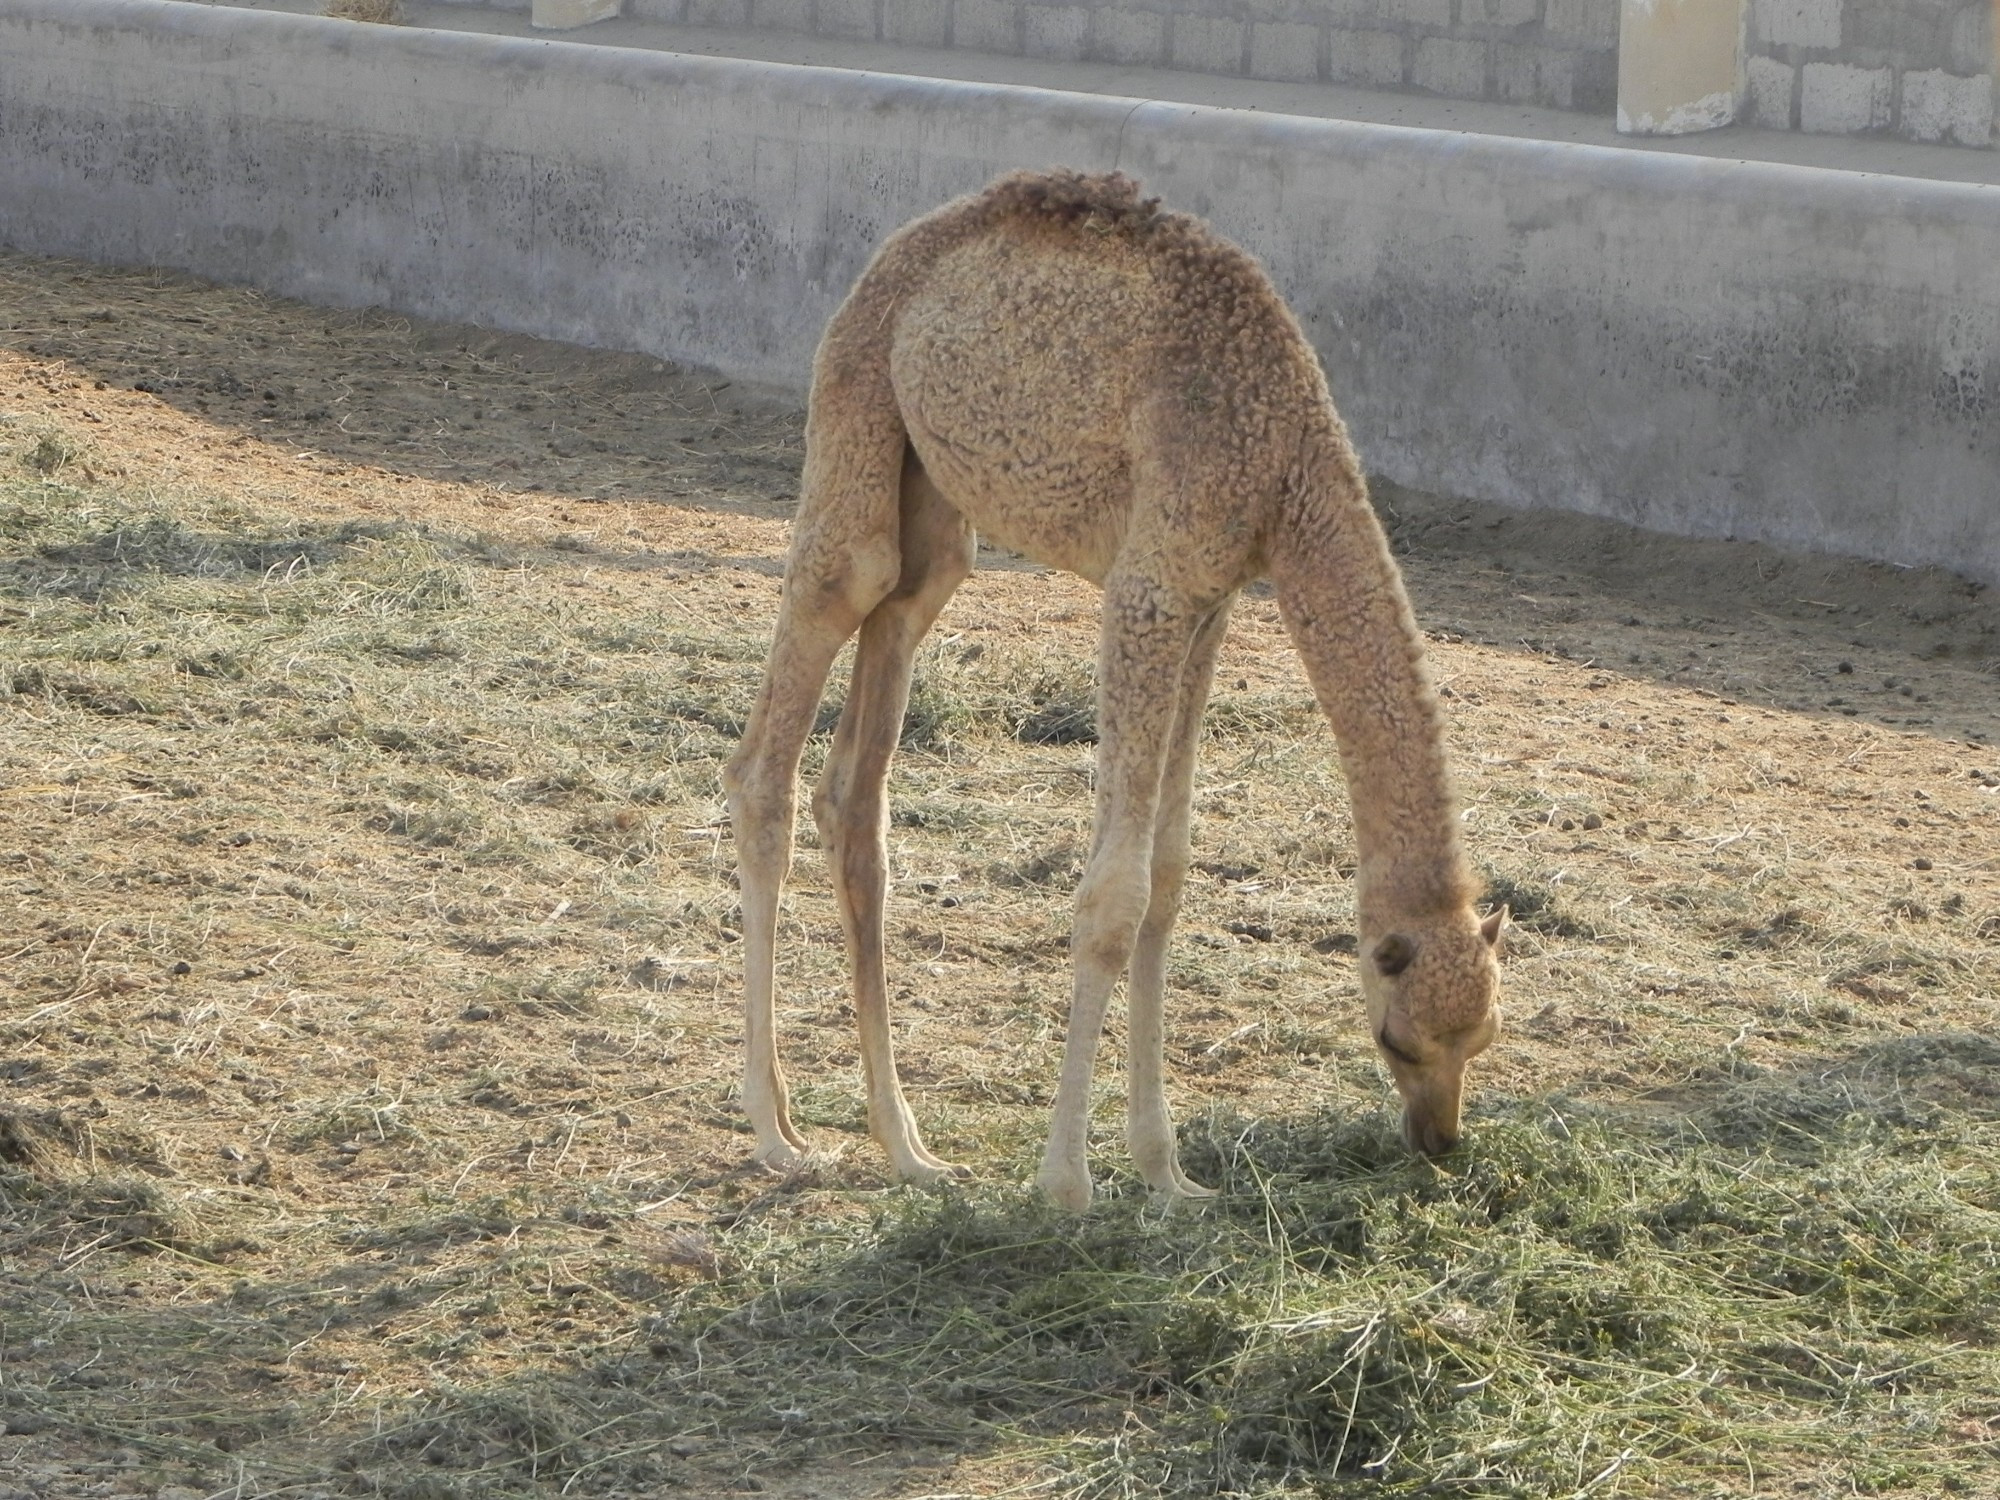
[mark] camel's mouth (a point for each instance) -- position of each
(1426, 1137)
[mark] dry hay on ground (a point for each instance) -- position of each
(382, 12)
(369, 1032)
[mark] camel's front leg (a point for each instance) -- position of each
(1147, 632)
(1148, 1124)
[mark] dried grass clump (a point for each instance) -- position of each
(382, 12)
(43, 448)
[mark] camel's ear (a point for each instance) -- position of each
(1394, 954)
(1493, 926)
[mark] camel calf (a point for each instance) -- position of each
(1113, 390)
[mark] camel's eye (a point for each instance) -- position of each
(1393, 1050)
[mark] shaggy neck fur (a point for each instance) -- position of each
(1342, 602)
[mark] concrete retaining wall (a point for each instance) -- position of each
(1701, 346)
(1921, 69)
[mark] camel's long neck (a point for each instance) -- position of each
(1342, 601)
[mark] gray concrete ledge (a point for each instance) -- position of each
(1703, 346)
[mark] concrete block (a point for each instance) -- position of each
(1415, 12)
(1451, 66)
(1797, 23)
(1773, 86)
(1526, 74)
(1499, 12)
(781, 15)
(1128, 36)
(718, 13)
(1208, 44)
(1940, 106)
(917, 23)
(1587, 23)
(563, 15)
(1369, 57)
(986, 25)
(1971, 49)
(1285, 50)
(1058, 31)
(849, 18)
(1835, 99)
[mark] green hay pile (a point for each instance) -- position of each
(1573, 1305)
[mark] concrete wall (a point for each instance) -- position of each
(1702, 346)
(1560, 53)
(1921, 69)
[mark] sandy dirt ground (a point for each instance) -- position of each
(1746, 803)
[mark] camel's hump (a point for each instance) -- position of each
(1096, 207)
(1111, 199)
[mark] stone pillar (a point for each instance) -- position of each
(561, 15)
(1680, 65)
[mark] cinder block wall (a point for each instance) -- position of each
(1559, 53)
(1921, 69)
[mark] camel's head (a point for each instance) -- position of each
(1433, 993)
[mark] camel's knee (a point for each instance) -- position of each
(751, 790)
(847, 813)
(1110, 907)
(828, 799)
(739, 776)
(762, 800)
(845, 580)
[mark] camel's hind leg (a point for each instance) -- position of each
(1149, 1127)
(852, 810)
(844, 560)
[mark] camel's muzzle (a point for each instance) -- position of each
(1425, 1135)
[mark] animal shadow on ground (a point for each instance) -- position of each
(1797, 1263)
(1909, 648)
(428, 400)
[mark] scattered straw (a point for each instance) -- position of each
(382, 12)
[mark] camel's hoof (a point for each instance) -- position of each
(1065, 1188)
(780, 1157)
(935, 1173)
(1182, 1192)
